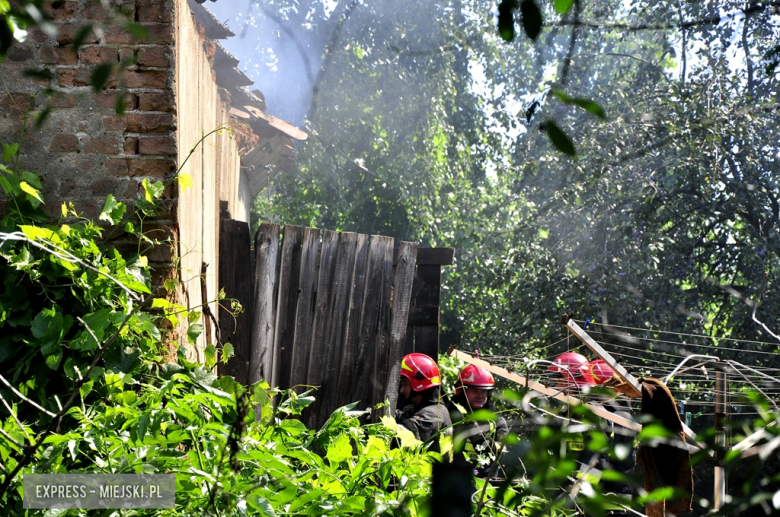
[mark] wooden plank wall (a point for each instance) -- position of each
(422, 332)
(329, 310)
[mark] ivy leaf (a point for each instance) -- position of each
(559, 139)
(113, 211)
(532, 18)
(227, 353)
(193, 331)
(152, 191)
(9, 151)
(80, 36)
(506, 19)
(211, 356)
(100, 76)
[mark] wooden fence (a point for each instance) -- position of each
(328, 309)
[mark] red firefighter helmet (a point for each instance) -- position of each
(421, 370)
(602, 372)
(574, 368)
(473, 376)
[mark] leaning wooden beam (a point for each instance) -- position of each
(541, 388)
(633, 388)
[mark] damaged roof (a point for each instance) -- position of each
(274, 150)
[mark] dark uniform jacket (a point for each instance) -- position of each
(472, 437)
(425, 420)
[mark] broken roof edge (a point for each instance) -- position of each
(214, 29)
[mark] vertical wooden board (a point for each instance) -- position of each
(349, 368)
(383, 292)
(307, 283)
(430, 293)
(426, 340)
(362, 360)
(337, 319)
(402, 295)
(266, 251)
(327, 262)
(409, 342)
(289, 278)
(234, 254)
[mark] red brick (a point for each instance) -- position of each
(107, 99)
(62, 10)
(154, 101)
(103, 144)
(148, 79)
(68, 32)
(94, 11)
(150, 122)
(161, 34)
(48, 55)
(165, 145)
(104, 186)
(75, 77)
(152, 168)
(154, 56)
(38, 35)
(153, 11)
(14, 102)
(68, 188)
(114, 123)
(127, 56)
(87, 163)
(97, 55)
(64, 144)
(118, 167)
(63, 100)
(66, 56)
(20, 54)
(131, 145)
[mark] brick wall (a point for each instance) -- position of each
(85, 151)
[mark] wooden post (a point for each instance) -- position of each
(235, 278)
(721, 397)
(266, 251)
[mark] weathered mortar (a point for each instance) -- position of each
(85, 151)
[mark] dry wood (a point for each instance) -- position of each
(308, 279)
(234, 255)
(402, 295)
(355, 313)
(287, 303)
(266, 251)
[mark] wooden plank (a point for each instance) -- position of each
(426, 340)
(362, 371)
(330, 353)
(266, 252)
(423, 316)
(429, 294)
(287, 303)
(234, 254)
(409, 342)
(382, 293)
(402, 296)
(307, 283)
(431, 256)
(634, 389)
(327, 262)
(349, 367)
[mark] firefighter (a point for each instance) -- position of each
(473, 388)
(573, 372)
(420, 408)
